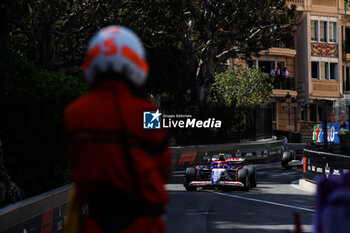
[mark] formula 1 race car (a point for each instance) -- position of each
(222, 171)
(293, 157)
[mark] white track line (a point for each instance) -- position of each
(266, 202)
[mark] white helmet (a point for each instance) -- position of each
(116, 49)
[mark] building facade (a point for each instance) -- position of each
(318, 64)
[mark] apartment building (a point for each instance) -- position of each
(319, 67)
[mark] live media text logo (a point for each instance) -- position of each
(157, 120)
(151, 120)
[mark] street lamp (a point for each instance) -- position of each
(289, 101)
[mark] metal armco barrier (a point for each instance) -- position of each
(40, 214)
(317, 163)
(45, 213)
(264, 151)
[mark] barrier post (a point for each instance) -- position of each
(325, 129)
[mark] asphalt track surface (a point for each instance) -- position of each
(269, 207)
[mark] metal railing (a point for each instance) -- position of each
(284, 45)
(284, 84)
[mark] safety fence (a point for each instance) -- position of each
(317, 163)
(264, 151)
(45, 213)
(40, 214)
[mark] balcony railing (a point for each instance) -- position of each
(284, 84)
(284, 45)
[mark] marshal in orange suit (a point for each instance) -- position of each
(119, 168)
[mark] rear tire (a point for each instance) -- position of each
(286, 158)
(253, 176)
(190, 175)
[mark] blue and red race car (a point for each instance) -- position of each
(222, 171)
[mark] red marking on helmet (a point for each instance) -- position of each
(114, 30)
(92, 54)
(135, 58)
(111, 47)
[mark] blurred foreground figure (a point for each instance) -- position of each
(119, 168)
(333, 204)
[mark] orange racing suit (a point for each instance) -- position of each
(118, 167)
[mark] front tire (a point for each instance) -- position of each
(190, 175)
(253, 176)
(243, 176)
(286, 158)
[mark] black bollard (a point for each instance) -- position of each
(325, 129)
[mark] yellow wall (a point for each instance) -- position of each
(283, 116)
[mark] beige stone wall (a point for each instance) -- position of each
(241, 62)
(325, 88)
(283, 117)
(290, 66)
(325, 2)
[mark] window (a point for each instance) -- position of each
(313, 116)
(314, 69)
(314, 30)
(266, 66)
(323, 31)
(324, 70)
(347, 40)
(333, 71)
(320, 109)
(280, 64)
(303, 114)
(347, 79)
(332, 32)
(251, 63)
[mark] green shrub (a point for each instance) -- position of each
(241, 87)
(32, 103)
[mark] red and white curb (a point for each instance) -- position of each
(305, 185)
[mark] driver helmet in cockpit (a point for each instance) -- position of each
(221, 158)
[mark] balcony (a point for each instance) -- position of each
(282, 93)
(285, 49)
(288, 84)
(346, 50)
(346, 57)
(281, 52)
(325, 88)
(280, 88)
